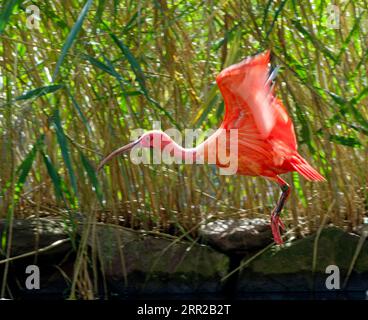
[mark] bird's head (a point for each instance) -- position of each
(151, 139)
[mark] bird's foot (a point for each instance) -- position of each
(276, 224)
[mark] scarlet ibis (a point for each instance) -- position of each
(266, 139)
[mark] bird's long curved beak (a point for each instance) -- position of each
(116, 152)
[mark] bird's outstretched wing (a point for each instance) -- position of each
(247, 89)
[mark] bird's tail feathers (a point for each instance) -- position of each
(305, 169)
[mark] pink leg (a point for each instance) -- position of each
(276, 222)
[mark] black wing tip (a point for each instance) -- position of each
(272, 56)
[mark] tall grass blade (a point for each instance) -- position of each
(80, 112)
(91, 172)
(64, 149)
(39, 92)
(71, 37)
(26, 165)
(277, 13)
(6, 11)
(55, 178)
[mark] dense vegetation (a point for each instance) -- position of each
(74, 86)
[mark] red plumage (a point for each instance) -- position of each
(266, 137)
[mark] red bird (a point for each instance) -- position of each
(266, 143)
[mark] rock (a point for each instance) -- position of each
(53, 263)
(25, 233)
(289, 268)
(237, 236)
(135, 262)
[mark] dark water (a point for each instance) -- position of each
(352, 295)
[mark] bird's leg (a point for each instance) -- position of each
(276, 222)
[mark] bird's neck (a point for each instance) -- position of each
(199, 154)
(186, 155)
(221, 149)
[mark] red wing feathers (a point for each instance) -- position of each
(248, 97)
(245, 85)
